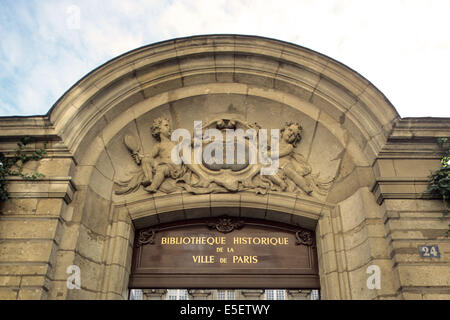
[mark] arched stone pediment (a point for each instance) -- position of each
(251, 61)
(205, 77)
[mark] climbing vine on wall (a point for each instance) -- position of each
(13, 165)
(440, 179)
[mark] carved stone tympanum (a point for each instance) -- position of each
(157, 171)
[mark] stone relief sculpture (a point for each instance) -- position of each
(157, 172)
(157, 166)
(294, 171)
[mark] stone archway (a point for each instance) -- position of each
(346, 122)
(229, 77)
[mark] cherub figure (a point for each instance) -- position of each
(292, 164)
(160, 160)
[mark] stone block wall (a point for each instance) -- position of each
(411, 217)
(31, 225)
(410, 223)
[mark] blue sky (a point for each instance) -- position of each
(402, 47)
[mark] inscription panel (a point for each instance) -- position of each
(225, 252)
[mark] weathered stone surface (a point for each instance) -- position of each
(424, 275)
(19, 206)
(31, 294)
(96, 213)
(28, 229)
(56, 167)
(8, 294)
(90, 244)
(25, 250)
(52, 207)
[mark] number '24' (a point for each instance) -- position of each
(429, 251)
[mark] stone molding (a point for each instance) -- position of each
(400, 188)
(51, 187)
(147, 210)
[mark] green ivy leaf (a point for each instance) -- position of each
(13, 165)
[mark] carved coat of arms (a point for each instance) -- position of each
(221, 173)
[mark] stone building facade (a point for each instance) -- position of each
(358, 178)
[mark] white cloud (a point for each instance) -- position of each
(402, 47)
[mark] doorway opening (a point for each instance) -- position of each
(224, 258)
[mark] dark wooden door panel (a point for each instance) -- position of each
(224, 252)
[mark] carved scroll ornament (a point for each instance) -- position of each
(146, 237)
(226, 225)
(304, 237)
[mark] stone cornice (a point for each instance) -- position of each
(51, 187)
(400, 188)
(39, 127)
(419, 130)
(415, 138)
(145, 209)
